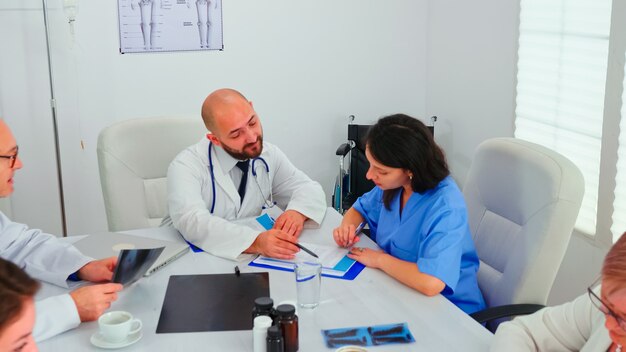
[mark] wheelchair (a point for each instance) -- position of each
(351, 182)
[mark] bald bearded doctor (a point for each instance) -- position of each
(233, 174)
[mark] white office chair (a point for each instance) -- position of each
(133, 157)
(522, 201)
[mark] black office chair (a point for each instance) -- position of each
(351, 182)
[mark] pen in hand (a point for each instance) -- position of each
(359, 228)
(304, 248)
(301, 247)
(357, 232)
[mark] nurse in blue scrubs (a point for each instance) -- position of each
(416, 214)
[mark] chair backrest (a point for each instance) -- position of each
(133, 157)
(522, 200)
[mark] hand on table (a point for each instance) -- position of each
(291, 222)
(368, 257)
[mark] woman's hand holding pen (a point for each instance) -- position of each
(346, 235)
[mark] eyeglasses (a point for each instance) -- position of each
(12, 158)
(597, 301)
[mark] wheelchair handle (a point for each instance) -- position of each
(343, 149)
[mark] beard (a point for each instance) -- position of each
(243, 154)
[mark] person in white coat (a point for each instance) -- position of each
(208, 191)
(47, 259)
(595, 321)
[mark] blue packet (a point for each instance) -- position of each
(266, 221)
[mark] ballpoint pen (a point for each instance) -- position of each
(304, 249)
(359, 228)
(357, 232)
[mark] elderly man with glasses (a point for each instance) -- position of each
(595, 321)
(12, 158)
(45, 258)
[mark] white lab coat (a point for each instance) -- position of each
(190, 194)
(573, 326)
(44, 258)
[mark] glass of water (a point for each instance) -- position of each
(308, 282)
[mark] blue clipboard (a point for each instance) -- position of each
(267, 222)
(353, 272)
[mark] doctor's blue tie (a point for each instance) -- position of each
(243, 166)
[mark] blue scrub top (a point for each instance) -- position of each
(432, 232)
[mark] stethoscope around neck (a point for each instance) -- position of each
(266, 203)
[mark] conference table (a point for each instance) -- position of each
(372, 298)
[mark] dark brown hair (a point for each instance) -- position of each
(15, 287)
(401, 141)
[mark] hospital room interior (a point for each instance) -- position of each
(548, 72)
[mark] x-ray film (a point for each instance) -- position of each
(132, 264)
(368, 335)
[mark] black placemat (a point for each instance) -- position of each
(215, 302)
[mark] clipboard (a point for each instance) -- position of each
(351, 274)
(267, 222)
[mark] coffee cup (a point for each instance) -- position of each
(118, 325)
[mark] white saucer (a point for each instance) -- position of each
(351, 349)
(98, 341)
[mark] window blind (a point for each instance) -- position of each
(562, 65)
(619, 203)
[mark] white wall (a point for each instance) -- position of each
(579, 269)
(305, 65)
(24, 102)
(471, 60)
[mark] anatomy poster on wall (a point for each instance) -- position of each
(170, 25)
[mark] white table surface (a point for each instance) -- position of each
(372, 298)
